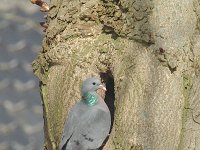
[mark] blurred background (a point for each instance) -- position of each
(21, 122)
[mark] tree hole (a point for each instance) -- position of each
(108, 79)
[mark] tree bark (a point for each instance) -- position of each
(147, 52)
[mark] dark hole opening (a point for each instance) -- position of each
(107, 77)
(110, 30)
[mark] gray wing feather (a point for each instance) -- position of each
(86, 127)
(70, 123)
(92, 129)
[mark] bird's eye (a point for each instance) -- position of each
(94, 83)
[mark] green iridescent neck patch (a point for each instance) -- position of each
(90, 99)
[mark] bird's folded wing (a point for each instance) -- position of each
(92, 129)
(69, 126)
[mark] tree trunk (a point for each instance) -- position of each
(147, 52)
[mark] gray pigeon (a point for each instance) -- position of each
(89, 120)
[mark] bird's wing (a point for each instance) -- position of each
(92, 128)
(70, 124)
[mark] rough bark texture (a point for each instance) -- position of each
(148, 54)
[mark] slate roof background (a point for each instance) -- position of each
(21, 122)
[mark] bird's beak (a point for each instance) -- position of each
(102, 87)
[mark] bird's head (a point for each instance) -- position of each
(91, 84)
